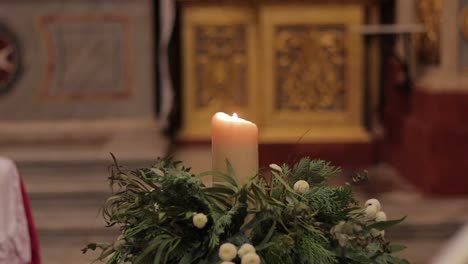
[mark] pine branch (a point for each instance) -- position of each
(314, 171)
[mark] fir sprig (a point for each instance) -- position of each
(314, 171)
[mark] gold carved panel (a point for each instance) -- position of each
(219, 66)
(428, 43)
(312, 74)
(310, 67)
(302, 80)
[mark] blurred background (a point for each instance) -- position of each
(370, 85)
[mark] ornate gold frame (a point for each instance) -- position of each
(313, 126)
(196, 120)
(275, 126)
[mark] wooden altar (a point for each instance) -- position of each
(293, 67)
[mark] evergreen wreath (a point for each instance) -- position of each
(167, 215)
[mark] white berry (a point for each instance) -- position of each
(227, 252)
(380, 216)
(374, 202)
(301, 186)
(371, 211)
(250, 258)
(245, 249)
(199, 220)
(275, 167)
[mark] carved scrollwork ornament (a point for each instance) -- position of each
(221, 65)
(310, 68)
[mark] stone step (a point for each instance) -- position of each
(425, 211)
(67, 222)
(81, 210)
(58, 247)
(71, 176)
(71, 160)
(68, 211)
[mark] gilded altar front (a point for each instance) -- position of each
(295, 70)
(219, 71)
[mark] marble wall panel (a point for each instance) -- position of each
(81, 60)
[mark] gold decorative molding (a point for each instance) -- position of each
(428, 44)
(310, 67)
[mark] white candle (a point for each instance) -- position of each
(236, 140)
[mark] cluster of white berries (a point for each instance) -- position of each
(373, 211)
(199, 220)
(247, 254)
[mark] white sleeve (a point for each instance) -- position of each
(15, 245)
(455, 251)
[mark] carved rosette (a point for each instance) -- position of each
(428, 44)
(221, 65)
(310, 67)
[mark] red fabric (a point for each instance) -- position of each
(35, 249)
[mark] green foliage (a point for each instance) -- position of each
(330, 203)
(228, 224)
(314, 249)
(154, 207)
(280, 250)
(386, 224)
(314, 171)
(373, 253)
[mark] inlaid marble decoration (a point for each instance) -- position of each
(81, 60)
(88, 57)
